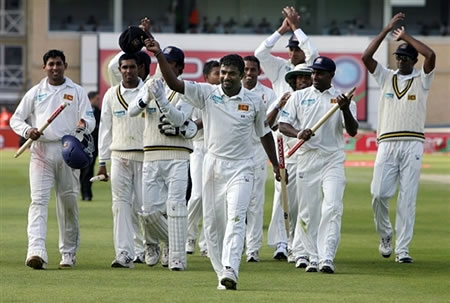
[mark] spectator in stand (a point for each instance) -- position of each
(334, 29)
(5, 115)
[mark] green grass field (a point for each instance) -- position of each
(362, 275)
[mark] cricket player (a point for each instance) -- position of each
(166, 164)
(255, 212)
(120, 141)
(195, 213)
(320, 162)
(47, 167)
(301, 50)
(400, 135)
(230, 115)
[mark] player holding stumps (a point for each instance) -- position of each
(320, 162)
(400, 132)
(230, 114)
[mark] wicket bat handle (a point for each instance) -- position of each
(41, 129)
(319, 123)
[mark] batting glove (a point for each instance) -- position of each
(166, 128)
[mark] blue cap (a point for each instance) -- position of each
(406, 50)
(174, 54)
(293, 42)
(324, 63)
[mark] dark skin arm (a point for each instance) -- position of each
(34, 133)
(351, 125)
(430, 57)
(199, 123)
(271, 117)
(269, 146)
(290, 131)
(102, 171)
(367, 56)
(171, 79)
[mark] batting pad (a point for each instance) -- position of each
(178, 223)
(156, 226)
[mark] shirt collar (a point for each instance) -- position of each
(123, 90)
(332, 90)
(67, 83)
(413, 74)
(239, 95)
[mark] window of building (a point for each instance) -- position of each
(11, 67)
(12, 18)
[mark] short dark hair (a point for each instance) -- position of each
(209, 66)
(92, 94)
(53, 53)
(234, 60)
(144, 58)
(253, 59)
(129, 56)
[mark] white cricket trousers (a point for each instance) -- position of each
(164, 204)
(195, 212)
(227, 188)
(255, 212)
(320, 186)
(397, 162)
(277, 230)
(126, 188)
(47, 168)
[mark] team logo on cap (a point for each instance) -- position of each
(318, 60)
(167, 50)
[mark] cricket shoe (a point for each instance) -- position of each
(253, 256)
(139, 259)
(229, 278)
(403, 257)
(35, 262)
(221, 287)
(291, 257)
(327, 266)
(123, 261)
(165, 257)
(177, 265)
(281, 252)
(302, 262)
(385, 247)
(204, 253)
(152, 254)
(313, 266)
(68, 260)
(190, 246)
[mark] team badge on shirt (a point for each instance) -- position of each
(411, 97)
(243, 107)
(333, 100)
(389, 95)
(68, 97)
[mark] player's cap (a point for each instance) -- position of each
(174, 54)
(132, 39)
(299, 69)
(293, 41)
(323, 63)
(406, 49)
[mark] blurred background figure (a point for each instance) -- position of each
(88, 172)
(5, 115)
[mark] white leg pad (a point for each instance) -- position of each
(177, 212)
(156, 226)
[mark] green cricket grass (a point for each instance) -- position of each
(362, 275)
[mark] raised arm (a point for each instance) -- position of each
(367, 56)
(424, 50)
(171, 79)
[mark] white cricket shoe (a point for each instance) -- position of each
(190, 246)
(204, 253)
(165, 257)
(177, 265)
(327, 266)
(302, 262)
(253, 257)
(221, 287)
(35, 262)
(152, 254)
(229, 278)
(68, 260)
(313, 266)
(281, 252)
(291, 257)
(385, 247)
(403, 257)
(123, 261)
(140, 258)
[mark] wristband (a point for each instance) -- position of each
(102, 164)
(157, 54)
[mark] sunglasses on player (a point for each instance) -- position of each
(402, 58)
